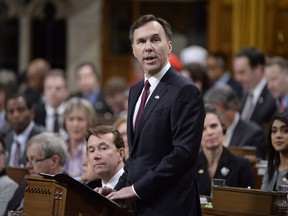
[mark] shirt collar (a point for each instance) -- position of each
(51, 111)
(114, 180)
(155, 79)
(258, 89)
(223, 79)
(22, 138)
(231, 129)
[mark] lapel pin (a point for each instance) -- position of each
(200, 171)
(225, 171)
(157, 96)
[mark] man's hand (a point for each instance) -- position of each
(125, 193)
(103, 190)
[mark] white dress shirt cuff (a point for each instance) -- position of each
(135, 191)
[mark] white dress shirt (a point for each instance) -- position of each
(154, 81)
(22, 140)
(114, 180)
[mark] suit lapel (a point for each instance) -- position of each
(154, 99)
(151, 103)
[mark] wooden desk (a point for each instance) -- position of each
(243, 202)
(63, 196)
(16, 173)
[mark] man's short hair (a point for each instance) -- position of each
(279, 61)
(223, 95)
(255, 56)
(50, 144)
(105, 129)
(91, 65)
(149, 18)
(17, 95)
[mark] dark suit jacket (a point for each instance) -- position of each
(164, 149)
(249, 134)
(10, 138)
(235, 86)
(235, 170)
(264, 109)
(40, 114)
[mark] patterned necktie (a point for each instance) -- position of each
(16, 161)
(142, 104)
(249, 107)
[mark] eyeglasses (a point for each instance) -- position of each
(34, 161)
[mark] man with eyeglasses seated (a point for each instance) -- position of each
(46, 153)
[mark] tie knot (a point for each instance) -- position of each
(147, 84)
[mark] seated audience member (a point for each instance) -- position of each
(105, 148)
(20, 115)
(193, 54)
(8, 85)
(88, 83)
(276, 73)
(115, 91)
(36, 72)
(198, 75)
(49, 113)
(88, 175)
(7, 185)
(215, 160)
(257, 104)
(4, 125)
(217, 71)
(46, 153)
(239, 132)
(121, 125)
(277, 169)
(79, 115)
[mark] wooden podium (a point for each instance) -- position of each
(61, 195)
(241, 201)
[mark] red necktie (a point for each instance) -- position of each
(142, 104)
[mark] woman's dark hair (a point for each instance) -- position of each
(273, 155)
(209, 108)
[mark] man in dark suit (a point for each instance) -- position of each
(239, 132)
(258, 104)
(19, 114)
(49, 113)
(88, 83)
(160, 174)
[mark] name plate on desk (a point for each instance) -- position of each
(242, 201)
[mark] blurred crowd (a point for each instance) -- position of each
(240, 107)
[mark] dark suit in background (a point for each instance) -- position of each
(264, 109)
(235, 170)
(249, 134)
